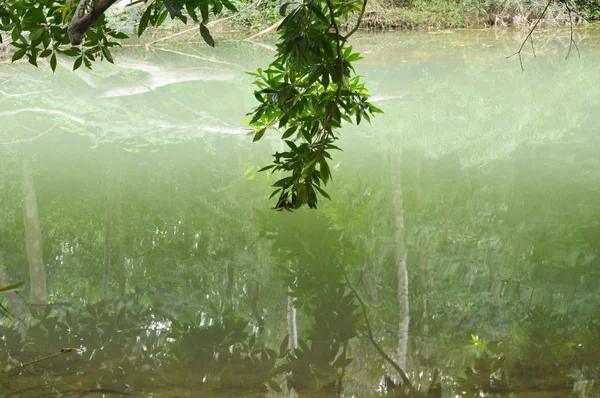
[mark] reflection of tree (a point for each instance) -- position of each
(33, 238)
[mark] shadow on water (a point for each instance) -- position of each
(163, 273)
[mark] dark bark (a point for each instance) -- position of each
(82, 20)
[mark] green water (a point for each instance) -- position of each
(146, 167)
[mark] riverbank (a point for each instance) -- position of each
(256, 17)
(437, 14)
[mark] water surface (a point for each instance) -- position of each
(146, 184)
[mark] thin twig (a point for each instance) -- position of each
(571, 42)
(405, 380)
(262, 32)
(542, 15)
(362, 12)
(36, 360)
(195, 56)
(29, 139)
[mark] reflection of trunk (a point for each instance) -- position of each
(255, 292)
(291, 324)
(106, 254)
(422, 244)
(398, 211)
(230, 281)
(121, 257)
(33, 239)
(19, 307)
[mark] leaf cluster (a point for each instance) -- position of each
(305, 94)
(40, 29)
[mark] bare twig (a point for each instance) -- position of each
(61, 352)
(29, 139)
(268, 47)
(362, 12)
(56, 112)
(195, 56)
(571, 42)
(24, 94)
(262, 32)
(529, 35)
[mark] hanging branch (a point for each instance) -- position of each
(571, 42)
(360, 16)
(529, 36)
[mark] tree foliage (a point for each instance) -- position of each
(306, 92)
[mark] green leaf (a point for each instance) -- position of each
(217, 7)
(45, 53)
(144, 21)
(206, 35)
(289, 132)
(204, 11)
(72, 52)
(119, 35)
(107, 54)
(284, 182)
(321, 191)
(53, 62)
(259, 134)
(33, 59)
(324, 169)
(11, 288)
(19, 54)
(175, 10)
(269, 167)
(161, 18)
(229, 5)
(36, 34)
(77, 63)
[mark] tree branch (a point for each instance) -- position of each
(571, 42)
(528, 37)
(81, 21)
(405, 380)
(362, 12)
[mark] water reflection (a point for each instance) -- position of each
(167, 275)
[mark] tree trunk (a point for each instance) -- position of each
(121, 257)
(33, 239)
(291, 324)
(402, 273)
(254, 295)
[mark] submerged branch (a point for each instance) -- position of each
(56, 112)
(36, 360)
(405, 380)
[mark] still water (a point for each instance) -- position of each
(131, 205)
